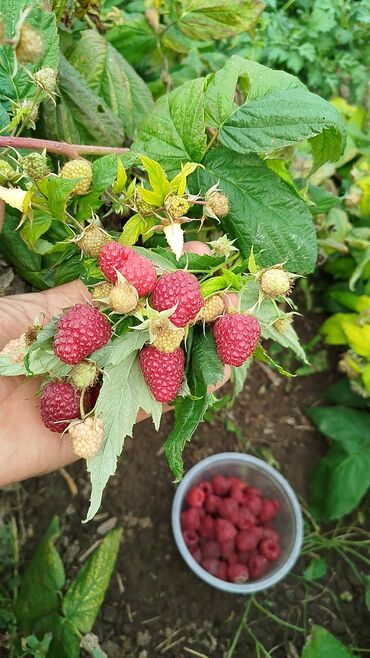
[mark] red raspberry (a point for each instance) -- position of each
(222, 571)
(190, 519)
(181, 288)
(270, 549)
(237, 493)
(270, 533)
(163, 372)
(253, 504)
(195, 497)
(190, 537)
(232, 559)
(221, 485)
(211, 565)
(211, 549)
(245, 519)
(246, 541)
(225, 530)
(229, 509)
(254, 492)
(268, 510)
(236, 337)
(196, 553)
(206, 487)
(80, 331)
(212, 503)
(112, 257)
(140, 272)
(207, 527)
(227, 548)
(238, 573)
(59, 404)
(258, 565)
(243, 557)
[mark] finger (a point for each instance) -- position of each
(65, 296)
(197, 247)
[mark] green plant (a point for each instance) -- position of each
(39, 615)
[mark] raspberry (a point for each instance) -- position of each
(16, 348)
(221, 485)
(237, 493)
(143, 208)
(222, 246)
(30, 47)
(222, 571)
(268, 509)
(123, 298)
(140, 272)
(195, 552)
(236, 337)
(211, 549)
(233, 558)
(190, 537)
(190, 519)
(225, 530)
(59, 404)
(238, 573)
(207, 527)
(80, 331)
(78, 169)
(181, 288)
(258, 566)
(218, 203)
(195, 497)
(206, 487)
(100, 294)
(84, 374)
(253, 504)
(46, 78)
(212, 309)
(35, 165)
(270, 533)
(229, 509)
(176, 206)
(92, 240)
(87, 437)
(28, 111)
(162, 372)
(254, 492)
(212, 503)
(227, 548)
(275, 282)
(246, 540)
(282, 324)
(7, 172)
(270, 549)
(111, 258)
(245, 519)
(211, 565)
(168, 340)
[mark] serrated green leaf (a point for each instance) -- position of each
(261, 354)
(135, 40)
(160, 258)
(321, 644)
(10, 369)
(85, 595)
(284, 118)
(123, 393)
(157, 179)
(349, 428)
(58, 192)
(32, 231)
(214, 19)
(121, 179)
(354, 471)
(316, 569)
(38, 594)
(265, 212)
(134, 227)
(174, 133)
(178, 183)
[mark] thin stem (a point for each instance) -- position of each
(259, 645)
(278, 620)
(61, 148)
(243, 620)
(212, 141)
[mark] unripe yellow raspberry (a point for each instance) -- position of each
(87, 436)
(92, 240)
(84, 374)
(46, 78)
(282, 324)
(212, 309)
(78, 169)
(7, 172)
(168, 340)
(101, 292)
(275, 282)
(123, 298)
(176, 206)
(30, 47)
(16, 349)
(218, 203)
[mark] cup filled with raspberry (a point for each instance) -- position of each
(237, 523)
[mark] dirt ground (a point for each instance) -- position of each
(155, 606)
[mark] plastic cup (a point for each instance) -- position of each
(288, 521)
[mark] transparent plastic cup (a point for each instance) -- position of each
(288, 521)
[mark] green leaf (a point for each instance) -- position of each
(80, 117)
(10, 369)
(85, 595)
(32, 231)
(316, 569)
(135, 40)
(123, 393)
(58, 191)
(159, 257)
(283, 118)
(65, 639)
(134, 227)
(265, 212)
(239, 376)
(206, 368)
(157, 179)
(214, 19)
(341, 393)
(321, 644)
(174, 133)
(354, 471)
(367, 590)
(349, 428)
(38, 594)
(261, 354)
(111, 78)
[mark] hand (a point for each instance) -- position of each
(27, 448)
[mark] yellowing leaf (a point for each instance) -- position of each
(178, 183)
(362, 303)
(150, 197)
(252, 265)
(333, 328)
(358, 338)
(121, 179)
(132, 230)
(157, 179)
(366, 376)
(15, 197)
